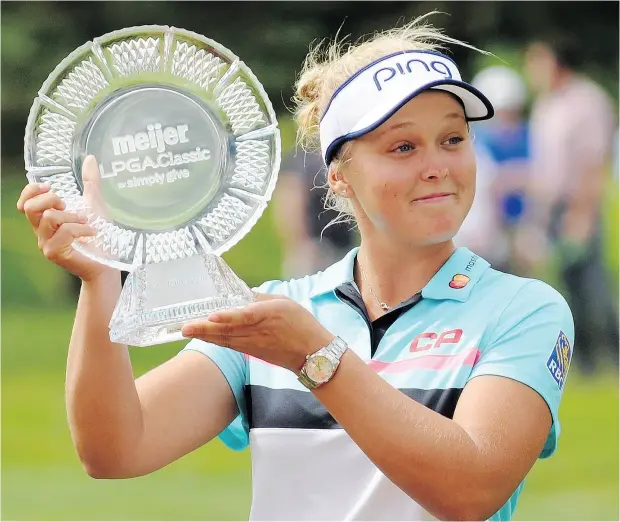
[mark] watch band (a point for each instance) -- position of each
(336, 348)
(333, 351)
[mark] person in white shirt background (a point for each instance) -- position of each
(573, 123)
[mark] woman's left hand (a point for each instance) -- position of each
(274, 328)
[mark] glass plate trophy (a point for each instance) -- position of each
(188, 151)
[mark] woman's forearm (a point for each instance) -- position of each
(428, 456)
(103, 407)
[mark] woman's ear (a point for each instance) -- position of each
(337, 182)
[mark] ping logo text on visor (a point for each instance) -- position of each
(373, 94)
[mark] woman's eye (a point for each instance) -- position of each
(405, 147)
(454, 140)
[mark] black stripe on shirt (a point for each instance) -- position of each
(295, 409)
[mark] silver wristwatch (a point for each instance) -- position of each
(321, 365)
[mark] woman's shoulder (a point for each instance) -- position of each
(525, 294)
(297, 289)
(323, 281)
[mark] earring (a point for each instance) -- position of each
(345, 192)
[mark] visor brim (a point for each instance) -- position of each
(477, 107)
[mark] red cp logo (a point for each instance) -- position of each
(428, 340)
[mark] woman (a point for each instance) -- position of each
(319, 373)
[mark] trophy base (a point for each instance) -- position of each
(158, 299)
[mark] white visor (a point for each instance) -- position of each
(373, 94)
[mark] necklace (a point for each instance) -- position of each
(384, 306)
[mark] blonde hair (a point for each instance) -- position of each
(331, 63)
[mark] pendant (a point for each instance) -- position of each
(385, 307)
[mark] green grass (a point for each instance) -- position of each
(580, 482)
(42, 478)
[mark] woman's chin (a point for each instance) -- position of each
(418, 241)
(441, 236)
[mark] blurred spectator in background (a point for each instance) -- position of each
(572, 130)
(301, 219)
(616, 160)
(481, 231)
(502, 149)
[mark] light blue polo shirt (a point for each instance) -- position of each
(471, 320)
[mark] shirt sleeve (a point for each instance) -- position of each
(532, 343)
(234, 367)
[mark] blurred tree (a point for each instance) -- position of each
(273, 37)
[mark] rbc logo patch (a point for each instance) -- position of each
(559, 360)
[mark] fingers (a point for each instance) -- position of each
(92, 185)
(90, 172)
(249, 315)
(233, 316)
(226, 335)
(267, 297)
(35, 207)
(58, 247)
(203, 328)
(220, 327)
(31, 190)
(52, 219)
(253, 313)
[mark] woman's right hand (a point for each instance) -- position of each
(56, 229)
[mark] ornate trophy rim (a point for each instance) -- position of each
(169, 35)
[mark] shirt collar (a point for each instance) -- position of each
(337, 274)
(457, 277)
(454, 280)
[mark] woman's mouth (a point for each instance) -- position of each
(434, 198)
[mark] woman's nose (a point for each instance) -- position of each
(435, 173)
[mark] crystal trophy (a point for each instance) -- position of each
(188, 151)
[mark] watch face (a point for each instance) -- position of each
(319, 368)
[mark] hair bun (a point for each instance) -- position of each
(309, 85)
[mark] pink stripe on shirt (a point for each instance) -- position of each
(428, 362)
